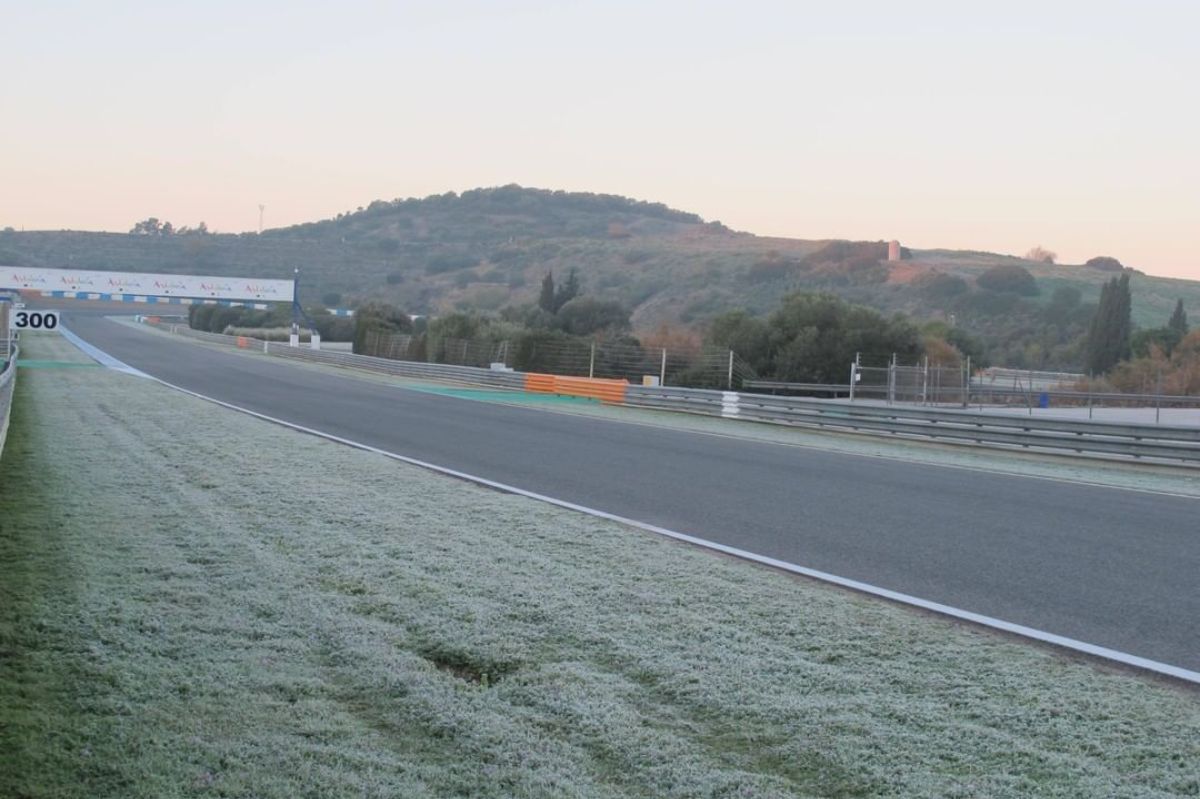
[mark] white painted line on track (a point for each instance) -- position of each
(100, 356)
(1072, 644)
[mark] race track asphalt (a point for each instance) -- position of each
(1112, 567)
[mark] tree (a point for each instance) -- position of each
(1105, 263)
(1179, 321)
(1144, 342)
(1008, 277)
(744, 334)
(1038, 253)
(546, 297)
(147, 227)
(378, 316)
(1108, 341)
(814, 338)
(568, 291)
(586, 316)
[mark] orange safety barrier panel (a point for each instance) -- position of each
(595, 388)
(542, 384)
(243, 342)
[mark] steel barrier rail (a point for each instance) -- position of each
(469, 375)
(8, 380)
(968, 417)
(1068, 436)
(978, 388)
(1084, 396)
(955, 416)
(1136, 441)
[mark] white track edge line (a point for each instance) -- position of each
(1083, 647)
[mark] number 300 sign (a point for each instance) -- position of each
(33, 320)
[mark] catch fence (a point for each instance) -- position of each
(695, 367)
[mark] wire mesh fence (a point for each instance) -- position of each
(696, 367)
(922, 384)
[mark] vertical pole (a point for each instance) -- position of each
(1158, 396)
(1089, 395)
(662, 371)
(925, 383)
(730, 378)
(891, 392)
(853, 376)
(294, 339)
(592, 361)
(966, 400)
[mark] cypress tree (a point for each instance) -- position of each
(568, 291)
(1123, 323)
(1178, 322)
(1109, 333)
(546, 298)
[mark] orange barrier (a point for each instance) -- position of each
(603, 390)
(612, 391)
(243, 342)
(542, 384)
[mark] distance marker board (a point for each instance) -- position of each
(33, 320)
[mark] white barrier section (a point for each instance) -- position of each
(729, 404)
(139, 283)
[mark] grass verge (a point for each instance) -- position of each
(197, 603)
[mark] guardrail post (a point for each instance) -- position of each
(853, 377)
(662, 371)
(592, 361)
(730, 379)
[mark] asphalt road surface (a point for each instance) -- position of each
(1111, 567)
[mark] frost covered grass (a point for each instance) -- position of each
(197, 603)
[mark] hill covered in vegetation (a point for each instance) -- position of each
(488, 249)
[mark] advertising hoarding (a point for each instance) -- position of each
(146, 284)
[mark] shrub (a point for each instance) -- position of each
(1008, 278)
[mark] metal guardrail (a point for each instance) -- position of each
(8, 380)
(977, 390)
(952, 426)
(467, 375)
(1180, 445)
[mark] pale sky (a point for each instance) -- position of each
(999, 126)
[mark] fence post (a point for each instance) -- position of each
(662, 371)
(891, 392)
(730, 379)
(853, 376)
(966, 400)
(925, 383)
(1158, 396)
(592, 361)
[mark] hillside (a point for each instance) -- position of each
(488, 248)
